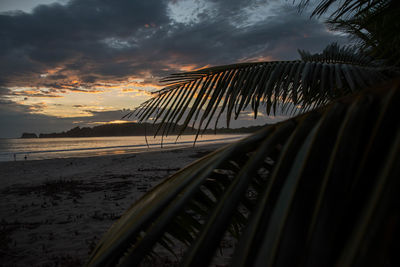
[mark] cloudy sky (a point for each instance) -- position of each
(66, 63)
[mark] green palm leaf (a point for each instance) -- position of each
(326, 194)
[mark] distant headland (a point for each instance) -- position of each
(131, 129)
(29, 135)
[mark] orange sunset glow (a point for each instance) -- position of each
(82, 70)
(199, 133)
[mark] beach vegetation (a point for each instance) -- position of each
(318, 189)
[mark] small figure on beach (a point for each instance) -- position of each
(15, 157)
(25, 157)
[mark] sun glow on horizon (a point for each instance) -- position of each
(82, 102)
(111, 122)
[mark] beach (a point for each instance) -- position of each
(53, 212)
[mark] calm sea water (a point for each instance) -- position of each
(46, 148)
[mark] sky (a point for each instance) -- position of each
(69, 63)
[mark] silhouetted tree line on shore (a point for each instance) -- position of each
(131, 129)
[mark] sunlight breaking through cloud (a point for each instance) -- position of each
(190, 11)
(113, 53)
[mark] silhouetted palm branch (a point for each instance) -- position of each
(325, 193)
(374, 28)
(373, 23)
(346, 8)
(320, 189)
(199, 96)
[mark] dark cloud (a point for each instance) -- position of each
(76, 36)
(84, 44)
(99, 40)
(38, 93)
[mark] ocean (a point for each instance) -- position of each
(48, 148)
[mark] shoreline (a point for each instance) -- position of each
(68, 149)
(53, 211)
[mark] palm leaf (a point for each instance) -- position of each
(198, 96)
(333, 53)
(345, 8)
(373, 29)
(325, 189)
(373, 24)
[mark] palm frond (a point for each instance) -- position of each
(373, 23)
(336, 54)
(325, 193)
(199, 96)
(345, 8)
(375, 30)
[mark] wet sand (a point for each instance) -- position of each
(53, 212)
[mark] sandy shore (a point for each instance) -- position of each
(54, 211)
